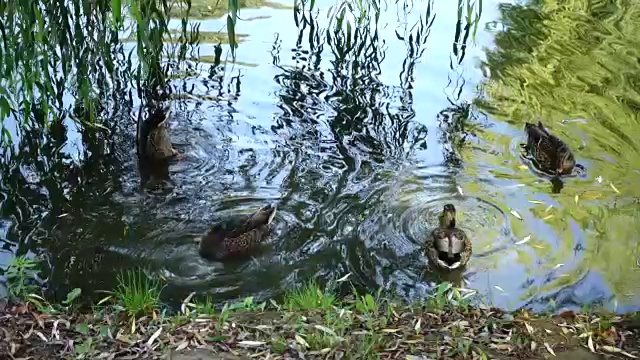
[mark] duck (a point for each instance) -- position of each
(154, 136)
(237, 236)
(159, 146)
(552, 154)
(448, 247)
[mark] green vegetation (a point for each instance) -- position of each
(577, 71)
(76, 50)
(20, 275)
(208, 9)
(307, 321)
(137, 293)
(193, 38)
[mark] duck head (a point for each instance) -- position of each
(448, 216)
(566, 164)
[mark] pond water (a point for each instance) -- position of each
(360, 154)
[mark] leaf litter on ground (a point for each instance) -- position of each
(440, 332)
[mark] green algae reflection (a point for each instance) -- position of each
(576, 66)
(210, 9)
(202, 37)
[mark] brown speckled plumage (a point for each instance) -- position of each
(238, 236)
(447, 246)
(154, 142)
(159, 145)
(552, 154)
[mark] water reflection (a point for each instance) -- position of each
(566, 78)
(360, 165)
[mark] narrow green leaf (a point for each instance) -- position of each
(232, 35)
(116, 7)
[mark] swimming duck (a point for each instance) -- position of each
(552, 154)
(154, 148)
(448, 247)
(159, 145)
(154, 135)
(237, 236)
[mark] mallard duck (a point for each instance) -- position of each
(552, 154)
(153, 134)
(237, 236)
(159, 145)
(448, 247)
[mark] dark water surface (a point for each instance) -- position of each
(362, 153)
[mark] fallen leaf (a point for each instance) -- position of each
(558, 266)
(390, 330)
(182, 345)
(301, 341)
(590, 344)
(516, 214)
(154, 336)
(499, 288)
(104, 300)
(183, 306)
(576, 199)
(249, 343)
(533, 346)
(524, 240)
(599, 179)
(501, 347)
(549, 349)
(344, 278)
(628, 355)
(413, 357)
(529, 328)
(548, 208)
(613, 349)
(536, 202)
(325, 329)
(614, 188)
(123, 339)
(417, 327)
(41, 336)
(460, 190)
(547, 217)
(414, 341)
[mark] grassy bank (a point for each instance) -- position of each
(308, 322)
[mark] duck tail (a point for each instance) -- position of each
(543, 129)
(273, 209)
